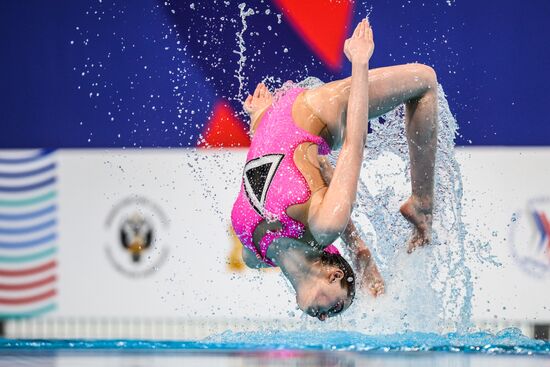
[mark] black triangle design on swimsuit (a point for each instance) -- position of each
(258, 174)
(257, 177)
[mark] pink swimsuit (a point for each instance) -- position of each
(271, 180)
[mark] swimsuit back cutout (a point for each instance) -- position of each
(271, 180)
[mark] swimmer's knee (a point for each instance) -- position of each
(426, 76)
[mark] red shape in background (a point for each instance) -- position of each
(322, 24)
(223, 129)
(546, 225)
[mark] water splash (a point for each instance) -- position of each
(244, 13)
(434, 284)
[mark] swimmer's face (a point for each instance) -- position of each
(323, 296)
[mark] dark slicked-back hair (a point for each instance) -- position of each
(348, 280)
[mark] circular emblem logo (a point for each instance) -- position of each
(530, 237)
(136, 229)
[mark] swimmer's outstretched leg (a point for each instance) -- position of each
(415, 85)
(421, 129)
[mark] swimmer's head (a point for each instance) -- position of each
(329, 290)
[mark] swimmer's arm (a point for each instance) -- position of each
(330, 212)
(252, 261)
(361, 253)
(350, 235)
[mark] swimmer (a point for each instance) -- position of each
(293, 204)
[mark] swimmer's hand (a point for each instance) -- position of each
(371, 279)
(360, 46)
(368, 275)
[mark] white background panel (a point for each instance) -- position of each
(196, 190)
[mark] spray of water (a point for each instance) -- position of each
(432, 288)
(244, 13)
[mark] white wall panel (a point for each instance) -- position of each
(195, 191)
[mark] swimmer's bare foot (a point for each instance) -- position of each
(255, 104)
(371, 278)
(420, 216)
